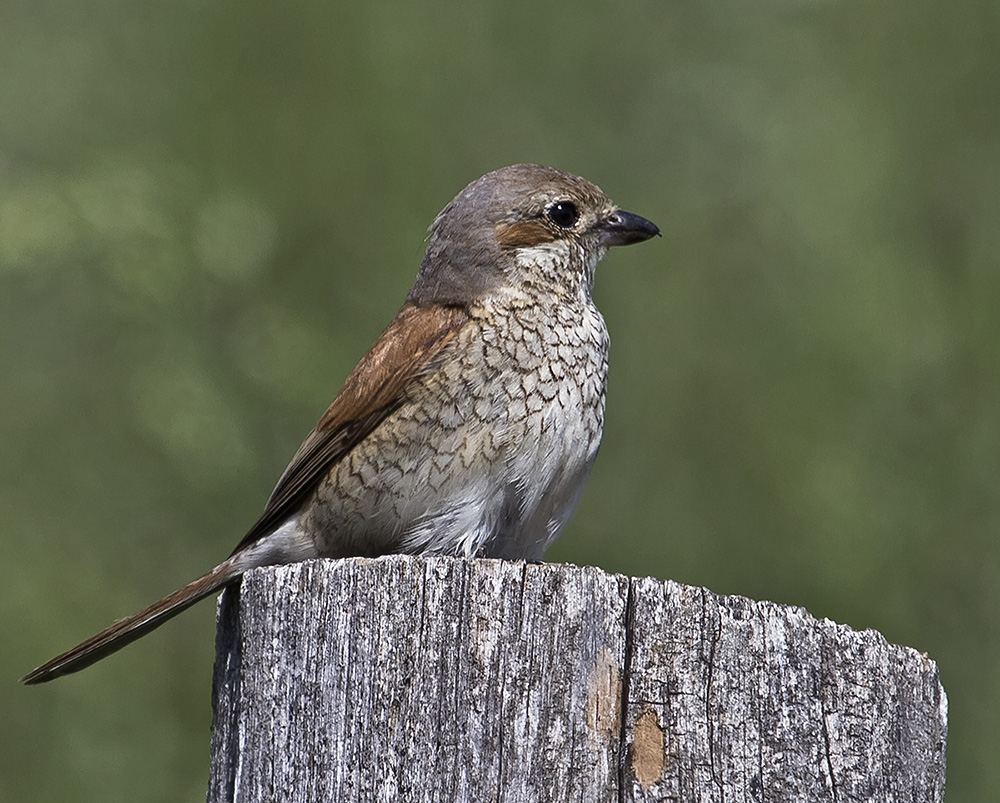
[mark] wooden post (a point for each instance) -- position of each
(437, 679)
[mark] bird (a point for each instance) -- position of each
(471, 424)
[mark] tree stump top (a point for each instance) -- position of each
(439, 679)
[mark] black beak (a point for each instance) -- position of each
(624, 228)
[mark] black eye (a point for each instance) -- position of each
(563, 214)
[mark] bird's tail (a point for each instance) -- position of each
(127, 630)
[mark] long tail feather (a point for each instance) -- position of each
(135, 626)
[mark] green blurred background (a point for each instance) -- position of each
(208, 211)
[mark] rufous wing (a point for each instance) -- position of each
(405, 351)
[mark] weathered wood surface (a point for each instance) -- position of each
(411, 679)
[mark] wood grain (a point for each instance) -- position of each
(439, 679)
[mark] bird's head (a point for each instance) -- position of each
(518, 226)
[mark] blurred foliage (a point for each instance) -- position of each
(208, 211)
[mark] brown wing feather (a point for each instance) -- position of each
(406, 350)
(376, 387)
